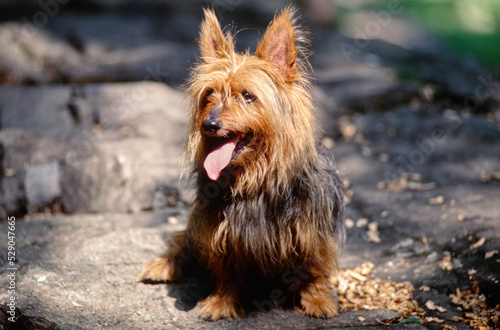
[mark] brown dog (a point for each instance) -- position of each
(269, 200)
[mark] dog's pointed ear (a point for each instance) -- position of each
(279, 45)
(213, 43)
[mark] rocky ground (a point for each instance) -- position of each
(92, 117)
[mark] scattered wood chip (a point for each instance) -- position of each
(460, 217)
(373, 226)
(361, 319)
(328, 142)
(349, 223)
(440, 309)
(359, 292)
(407, 182)
(356, 276)
(479, 243)
(446, 263)
(431, 319)
(361, 222)
(348, 130)
(424, 288)
(472, 272)
(41, 278)
(366, 268)
(479, 315)
(457, 319)
(430, 305)
(373, 234)
(172, 220)
(436, 200)
(490, 254)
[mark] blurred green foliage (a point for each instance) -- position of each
(468, 27)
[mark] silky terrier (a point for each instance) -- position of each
(269, 200)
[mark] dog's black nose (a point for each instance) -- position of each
(211, 125)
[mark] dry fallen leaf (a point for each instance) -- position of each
(430, 305)
(172, 220)
(479, 243)
(348, 130)
(446, 263)
(433, 319)
(481, 316)
(373, 234)
(440, 309)
(457, 319)
(424, 288)
(407, 182)
(436, 200)
(359, 292)
(361, 222)
(356, 276)
(490, 254)
(349, 223)
(471, 272)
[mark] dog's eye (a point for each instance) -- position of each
(208, 93)
(249, 98)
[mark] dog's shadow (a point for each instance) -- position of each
(194, 285)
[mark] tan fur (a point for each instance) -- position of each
(279, 202)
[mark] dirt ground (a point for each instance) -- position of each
(92, 116)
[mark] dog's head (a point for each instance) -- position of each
(250, 112)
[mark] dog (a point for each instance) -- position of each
(269, 199)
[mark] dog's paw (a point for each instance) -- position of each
(321, 304)
(158, 270)
(215, 308)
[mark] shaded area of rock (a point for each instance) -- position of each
(81, 272)
(96, 147)
(110, 41)
(383, 74)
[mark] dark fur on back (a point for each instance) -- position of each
(269, 200)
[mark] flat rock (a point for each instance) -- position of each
(81, 272)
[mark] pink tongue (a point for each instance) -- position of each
(218, 159)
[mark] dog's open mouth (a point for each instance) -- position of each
(222, 150)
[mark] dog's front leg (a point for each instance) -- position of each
(224, 302)
(166, 268)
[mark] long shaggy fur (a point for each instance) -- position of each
(279, 202)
